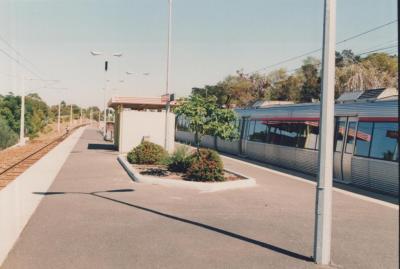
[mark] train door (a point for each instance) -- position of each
(340, 132)
(243, 135)
(348, 148)
(345, 129)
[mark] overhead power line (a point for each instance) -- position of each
(291, 71)
(19, 63)
(376, 50)
(366, 32)
(18, 53)
(317, 50)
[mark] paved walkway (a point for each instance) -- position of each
(94, 216)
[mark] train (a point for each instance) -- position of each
(366, 152)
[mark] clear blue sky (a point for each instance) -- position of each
(211, 39)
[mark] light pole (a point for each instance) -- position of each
(166, 146)
(59, 117)
(22, 118)
(323, 210)
(59, 112)
(70, 117)
(96, 53)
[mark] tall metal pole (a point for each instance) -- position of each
(104, 96)
(59, 117)
(22, 116)
(323, 209)
(166, 146)
(70, 117)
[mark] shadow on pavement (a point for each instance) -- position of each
(101, 147)
(195, 223)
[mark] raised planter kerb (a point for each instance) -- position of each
(247, 182)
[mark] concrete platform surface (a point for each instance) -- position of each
(94, 216)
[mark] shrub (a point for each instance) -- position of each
(7, 135)
(180, 160)
(147, 153)
(206, 167)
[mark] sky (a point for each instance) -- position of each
(211, 39)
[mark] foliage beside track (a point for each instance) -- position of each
(38, 116)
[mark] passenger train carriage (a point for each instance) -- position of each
(366, 150)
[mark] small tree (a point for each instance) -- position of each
(206, 118)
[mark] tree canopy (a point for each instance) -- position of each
(353, 72)
(205, 117)
(37, 116)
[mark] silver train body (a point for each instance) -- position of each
(365, 146)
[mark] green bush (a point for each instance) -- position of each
(147, 153)
(206, 167)
(180, 160)
(7, 136)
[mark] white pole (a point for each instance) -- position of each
(80, 120)
(70, 117)
(22, 116)
(59, 119)
(323, 210)
(166, 145)
(104, 97)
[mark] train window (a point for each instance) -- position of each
(307, 134)
(251, 129)
(238, 124)
(351, 134)
(288, 134)
(363, 138)
(260, 132)
(274, 133)
(340, 130)
(385, 141)
(182, 124)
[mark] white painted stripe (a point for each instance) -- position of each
(349, 193)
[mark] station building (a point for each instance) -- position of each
(142, 118)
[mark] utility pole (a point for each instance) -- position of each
(323, 209)
(167, 105)
(70, 117)
(59, 117)
(22, 116)
(105, 91)
(95, 53)
(81, 117)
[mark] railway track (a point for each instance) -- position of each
(12, 171)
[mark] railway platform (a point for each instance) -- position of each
(95, 216)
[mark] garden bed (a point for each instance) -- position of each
(161, 176)
(161, 171)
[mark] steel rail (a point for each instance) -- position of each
(58, 139)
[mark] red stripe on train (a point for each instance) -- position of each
(286, 119)
(375, 119)
(379, 119)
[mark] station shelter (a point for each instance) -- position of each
(142, 118)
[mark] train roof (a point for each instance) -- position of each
(378, 108)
